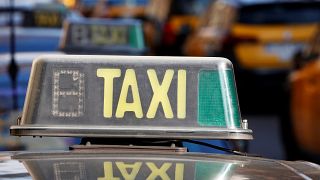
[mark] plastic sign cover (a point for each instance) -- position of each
(132, 96)
(103, 36)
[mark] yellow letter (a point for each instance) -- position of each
(155, 171)
(108, 172)
(160, 93)
(108, 75)
(130, 80)
(179, 171)
(123, 169)
(181, 94)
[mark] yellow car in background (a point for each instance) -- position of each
(260, 35)
(275, 35)
(305, 102)
(261, 38)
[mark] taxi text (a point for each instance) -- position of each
(99, 35)
(160, 93)
(131, 170)
(48, 19)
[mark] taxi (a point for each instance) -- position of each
(133, 99)
(261, 39)
(46, 15)
(37, 27)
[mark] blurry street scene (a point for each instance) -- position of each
(274, 46)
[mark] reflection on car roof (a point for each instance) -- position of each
(93, 165)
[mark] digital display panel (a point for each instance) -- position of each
(47, 19)
(99, 35)
(45, 16)
(103, 36)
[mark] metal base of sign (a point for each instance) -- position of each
(132, 132)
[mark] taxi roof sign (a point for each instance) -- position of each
(46, 15)
(103, 36)
(132, 96)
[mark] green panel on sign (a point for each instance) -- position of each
(136, 37)
(217, 99)
(210, 105)
(213, 170)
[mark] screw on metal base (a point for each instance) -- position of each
(245, 124)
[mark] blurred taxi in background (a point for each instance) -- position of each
(37, 30)
(305, 102)
(170, 22)
(103, 36)
(38, 26)
(261, 38)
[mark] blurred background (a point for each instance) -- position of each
(274, 46)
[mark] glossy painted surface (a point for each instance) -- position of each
(143, 165)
